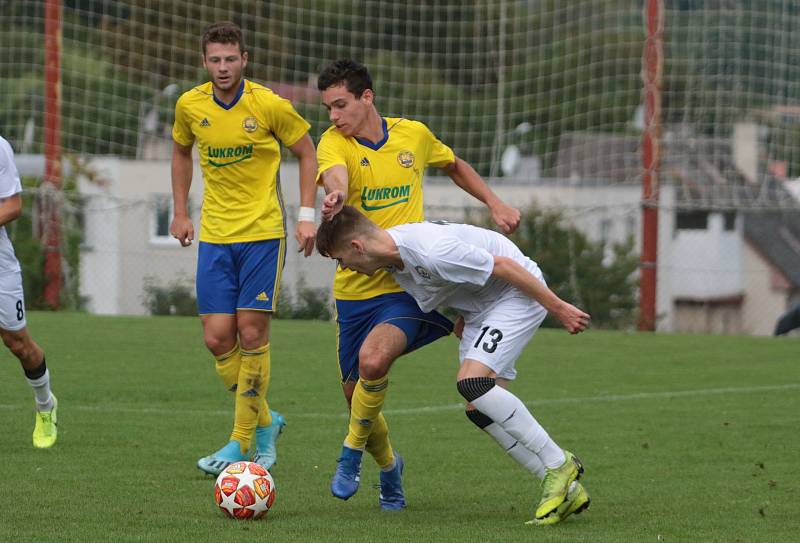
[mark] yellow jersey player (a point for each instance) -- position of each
(13, 327)
(376, 164)
(238, 126)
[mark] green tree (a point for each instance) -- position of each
(28, 248)
(23, 233)
(471, 69)
(578, 270)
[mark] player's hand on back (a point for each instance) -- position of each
(332, 204)
(182, 230)
(573, 319)
(304, 233)
(505, 216)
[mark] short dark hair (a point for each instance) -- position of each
(352, 74)
(223, 32)
(341, 229)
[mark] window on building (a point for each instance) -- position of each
(161, 216)
(631, 226)
(730, 220)
(691, 220)
(605, 231)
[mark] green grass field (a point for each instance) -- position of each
(684, 438)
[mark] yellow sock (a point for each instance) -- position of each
(251, 392)
(378, 444)
(365, 408)
(264, 416)
(228, 365)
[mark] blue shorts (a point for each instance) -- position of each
(356, 319)
(233, 276)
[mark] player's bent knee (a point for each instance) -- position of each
(370, 371)
(373, 364)
(478, 419)
(219, 345)
(474, 387)
(253, 337)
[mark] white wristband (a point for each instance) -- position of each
(305, 214)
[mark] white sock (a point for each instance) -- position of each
(41, 390)
(516, 450)
(508, 411)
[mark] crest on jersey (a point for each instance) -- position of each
(425, 274)
(250, 124)
(405, 158)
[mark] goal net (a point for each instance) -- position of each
(546, 89)
(545, 94)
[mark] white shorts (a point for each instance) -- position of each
(499, 336)
(12, 302)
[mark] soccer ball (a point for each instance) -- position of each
(244, 490)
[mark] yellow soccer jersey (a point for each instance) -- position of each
(239, 157)
(384, 183)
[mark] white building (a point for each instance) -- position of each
(729, 236)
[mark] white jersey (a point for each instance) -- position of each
(451, 265)
(9, 186)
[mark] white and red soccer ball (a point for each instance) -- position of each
(244, 490)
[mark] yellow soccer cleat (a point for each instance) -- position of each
(577, 501)
(556, 483)
(46, 430)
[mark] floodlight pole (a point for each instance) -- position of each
(51, 227)
(652, 64)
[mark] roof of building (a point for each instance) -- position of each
(700, 168)
(776, 236)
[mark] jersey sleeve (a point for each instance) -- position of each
(182, 128)
(285, 122)
(330, 152)
(458, 262)
(9, 176)
(440, 155)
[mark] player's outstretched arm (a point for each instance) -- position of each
(573, 319)
(181, 227)
(465, 176)
(334, 179)
(306, 230)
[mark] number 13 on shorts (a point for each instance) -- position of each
(498, 339)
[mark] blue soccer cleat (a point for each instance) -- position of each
(266, 454)
(348, 473)
(221, 459)
(391, 497)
